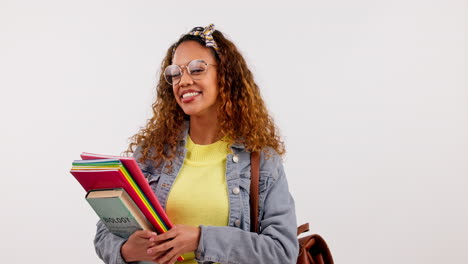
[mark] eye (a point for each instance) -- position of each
(197, 67)
(174, 72)
(197, 71)
(176, 75)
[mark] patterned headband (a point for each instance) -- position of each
(206, 35)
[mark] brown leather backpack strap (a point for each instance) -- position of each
(302, 228)
(254, 183)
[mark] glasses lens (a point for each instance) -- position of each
(172, 74)
(197, 68)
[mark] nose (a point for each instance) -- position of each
(186, 79)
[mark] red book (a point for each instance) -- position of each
(110, 179)
(132, 167)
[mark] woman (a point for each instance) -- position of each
(195, 150)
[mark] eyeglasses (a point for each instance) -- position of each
(197, 70)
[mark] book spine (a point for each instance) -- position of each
(137, 174)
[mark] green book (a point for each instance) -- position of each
(118, 211)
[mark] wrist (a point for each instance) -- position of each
(124, 252)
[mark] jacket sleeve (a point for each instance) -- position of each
(276, 243)
(108, 245)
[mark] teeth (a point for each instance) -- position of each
(189, 94)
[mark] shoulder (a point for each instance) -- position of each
(271, 164)
(148, 166)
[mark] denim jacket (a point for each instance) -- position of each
(234, 243)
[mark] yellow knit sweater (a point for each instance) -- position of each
(199, 194)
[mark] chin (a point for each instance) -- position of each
(190, 112)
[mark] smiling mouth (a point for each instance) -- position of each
(189, 95)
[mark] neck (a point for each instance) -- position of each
(204, 130)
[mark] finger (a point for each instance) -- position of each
(161, 247)
(174, 259)
(158, 255)
(166, 258)
(145, 233)
(164, 236)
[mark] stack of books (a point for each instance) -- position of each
(120, 194)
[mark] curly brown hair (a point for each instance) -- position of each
(243, 117)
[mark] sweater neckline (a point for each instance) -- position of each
(206, 154)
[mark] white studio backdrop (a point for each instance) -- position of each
(370, 97)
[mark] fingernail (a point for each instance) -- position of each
(154, 234)
(149, 251)
(152, 239)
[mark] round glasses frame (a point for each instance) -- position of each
(194, 73)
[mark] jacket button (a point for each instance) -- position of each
(235, 158)
(236, 190)
(237, 223)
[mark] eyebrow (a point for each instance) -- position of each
(186, 64)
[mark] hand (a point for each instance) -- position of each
(134, 249)
(173, 243)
